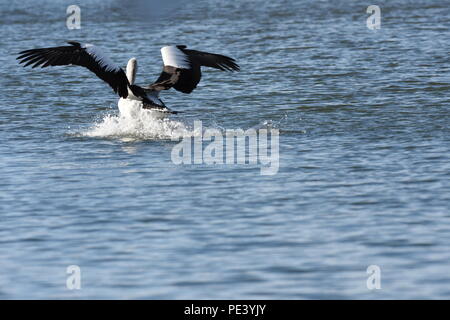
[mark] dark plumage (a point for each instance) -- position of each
(87, 56)
(182, 69)
(185, 78)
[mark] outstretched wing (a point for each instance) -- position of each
(182, 68)
(88, 56)
(212, 60)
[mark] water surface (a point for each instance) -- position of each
(364, 155)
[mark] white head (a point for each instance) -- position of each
(131, 70)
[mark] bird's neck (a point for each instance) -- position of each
(131, 71)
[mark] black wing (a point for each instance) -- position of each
(212, 60)
(182, 68)
(88, 56)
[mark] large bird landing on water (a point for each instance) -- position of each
(182, 71)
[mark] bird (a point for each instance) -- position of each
(181, 71)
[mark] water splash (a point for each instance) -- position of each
(145, 126)
(142, 126)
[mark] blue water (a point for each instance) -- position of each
(364, 154)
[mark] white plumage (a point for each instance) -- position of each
(174, 57)
(181, 71)
(132, 106)
(101, 58)
(132, 109)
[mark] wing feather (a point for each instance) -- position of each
(182, 68)
(88, 56)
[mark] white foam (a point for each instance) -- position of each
(142, 126)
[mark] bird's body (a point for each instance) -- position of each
(140, 100)
(131, 108)
(182, 71)
(149, 102)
